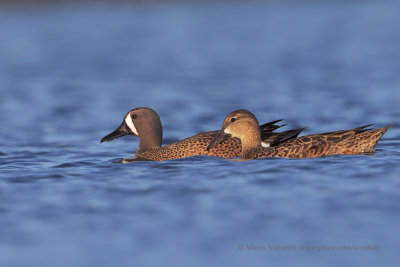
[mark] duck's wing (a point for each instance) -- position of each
(274, 139)
(354, 131)
(270, 126)
(197, 145)
(355, 141)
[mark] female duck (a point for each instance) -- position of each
(243, 125)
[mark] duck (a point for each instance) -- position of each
(144, 122)
(243, 125)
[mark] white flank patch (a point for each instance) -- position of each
(129, 122)
(265, 144)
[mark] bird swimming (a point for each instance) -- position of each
(145, 123)
(242, 124)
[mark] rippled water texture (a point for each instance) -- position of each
(68, 74)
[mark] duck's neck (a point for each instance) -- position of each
(251, 142)
(150, 141)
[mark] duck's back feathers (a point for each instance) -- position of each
(274, 139)
(230, 148)
(355, 141)
(270, 126)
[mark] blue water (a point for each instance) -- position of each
(68, 75)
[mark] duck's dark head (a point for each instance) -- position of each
(142, 122)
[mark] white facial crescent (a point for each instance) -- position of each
(129, 122)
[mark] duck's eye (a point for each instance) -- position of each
(134, 117)
(233, 119)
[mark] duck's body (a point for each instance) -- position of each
(318, 145)
(197, 146)
(192, 146)
(242, 124)
(145, 123)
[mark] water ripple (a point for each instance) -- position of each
(75, 164)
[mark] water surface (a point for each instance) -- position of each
(68, 75)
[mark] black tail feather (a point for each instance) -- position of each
(363, 129)
(286, 135)
(270, 126)
(274, 139)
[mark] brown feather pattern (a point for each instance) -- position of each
(145, 123)
(196, 145)
(355, 141)
(243, 125)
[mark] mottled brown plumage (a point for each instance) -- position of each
(145, 123)
(243, 125)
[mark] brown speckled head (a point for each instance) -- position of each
(243, 125)
(142, 122)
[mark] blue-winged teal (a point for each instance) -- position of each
(243, 125)
(146, 124)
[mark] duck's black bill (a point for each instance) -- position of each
(218, 139)
(121, 131)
